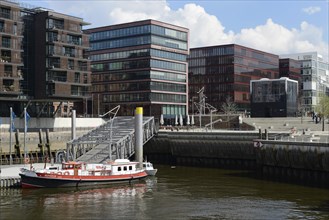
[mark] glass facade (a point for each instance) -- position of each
(139, 30)
(133, 64)
(138, 53)
(314, 78)
(135, 36)
(226, 71)
(274, 98)
(140, 63)
(144, 97)
(138, 75)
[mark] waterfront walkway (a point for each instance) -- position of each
(285, 124)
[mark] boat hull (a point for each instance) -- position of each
(151, 172)
(29, 181)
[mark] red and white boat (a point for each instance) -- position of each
(76, 174)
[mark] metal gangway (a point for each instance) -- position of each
(112, 140)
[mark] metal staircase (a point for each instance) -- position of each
(114, 139)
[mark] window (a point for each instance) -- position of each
(70, 65)
(6, 42)
(119, 168)
(8, 70)
(2, 26)
(5, 13)
(125, 168)
(85, 78)
(77, 77)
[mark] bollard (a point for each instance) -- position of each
(260, 133)
(139, 136)
(17, 145)
(48, 144)
(40, 145)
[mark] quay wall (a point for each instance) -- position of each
(296, 161)
(218, 149)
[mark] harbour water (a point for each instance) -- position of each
(180, 193)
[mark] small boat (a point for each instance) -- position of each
(75, 174)
(149, 168)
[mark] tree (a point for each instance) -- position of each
(229, 107)
(322, 108)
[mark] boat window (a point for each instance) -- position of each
(144, 165)
(119, 168)
(125, 168)
(130, 168)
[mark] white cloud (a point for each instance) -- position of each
(275, 38)
(205, 29)
(311, 10)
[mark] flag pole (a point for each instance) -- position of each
(10, 136)
(25, 128)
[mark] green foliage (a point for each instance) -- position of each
(323, 107)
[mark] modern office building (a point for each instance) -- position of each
(315, 78)
(292, 69)
(11, 62)
(274, 97)
(56, 68)
(142, 64)
(225, 71)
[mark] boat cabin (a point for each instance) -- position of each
(123, 166)
(71, 165)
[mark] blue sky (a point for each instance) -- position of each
(279, 27)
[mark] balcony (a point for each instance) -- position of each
(70, 54)
(8, 74)
(5, 59)
(9, 89)
(57, 79)
(54, 65)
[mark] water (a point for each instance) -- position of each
(181, 193)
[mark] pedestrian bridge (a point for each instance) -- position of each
(114, 139)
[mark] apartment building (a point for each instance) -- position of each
(59, 69)
(11, 62)
(43, 63)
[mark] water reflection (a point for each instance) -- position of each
(77, 203)
(181, 193)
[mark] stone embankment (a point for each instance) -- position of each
(285, 158)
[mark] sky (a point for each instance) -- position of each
(279, 27)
